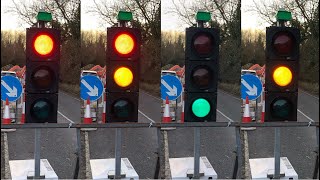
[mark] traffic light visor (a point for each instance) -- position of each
(200, 107)
(43, 44)
(203, 44)
(283, 43)
(282, 76)
(123, 77)
(124, 43)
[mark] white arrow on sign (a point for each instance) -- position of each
(93, 91)
(12, 92)
(253, 91)
(172, 91)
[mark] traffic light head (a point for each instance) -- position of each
(42, 74)
(201, 63)
(282, 70)
(122, 88)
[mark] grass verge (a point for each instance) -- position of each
(312, 88)
(73, 89)
(233, 89)
(153, 89)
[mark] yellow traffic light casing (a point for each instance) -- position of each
(42, 74)
(281, 75)
(122, 87)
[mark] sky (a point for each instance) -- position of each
(10, 21)
(169, 21)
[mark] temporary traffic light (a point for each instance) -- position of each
(42, 74)
(122, 87)
(282, 69)
(201, 64)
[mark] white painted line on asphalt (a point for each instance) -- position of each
(78, 99)
(225, 116)
(65, 117)
(150, 95)
(7, 174)
(146, 116)
(224, 92)
(305, 115)
(309, 94)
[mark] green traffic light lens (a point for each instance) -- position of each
(281, 108)
(42, 78)
(122, 109)
(201, 107)
(41, 110)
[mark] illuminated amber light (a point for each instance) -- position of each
(124, 44)
(282, 76)
(123, 77)
(43, 44)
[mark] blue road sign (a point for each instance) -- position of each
(11, 88)
(171, 87)
(251, 86)
(91, 86)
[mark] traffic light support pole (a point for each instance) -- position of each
(118, 154)
(277, 148)
(196, 142)
(37, 154)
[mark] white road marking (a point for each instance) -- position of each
(65, 117)
(309, 94)
(225, 116)
(305, 115)
(146, 116)
(150, 95)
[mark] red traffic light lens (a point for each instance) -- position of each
(122, 108)
(124, 44)
(42, 78)
(43, 44)
(281, 108)
(283, 43)
(203, 44)
(202, 77)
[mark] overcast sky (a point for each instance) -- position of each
(169, 21)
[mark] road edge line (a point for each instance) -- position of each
(225, 115)
(246, 171)
(146, 116)
(7, 173)
(310, 119)
(65, 117)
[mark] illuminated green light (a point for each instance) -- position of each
(125, 16)
(203, 16)
(284, 15)
(44, 16)
(201, 107)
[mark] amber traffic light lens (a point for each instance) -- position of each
(43, 44)
(282, 76)
(283, 43)
(202, 77)
(124, 44)
(123, 77)
(203, 44)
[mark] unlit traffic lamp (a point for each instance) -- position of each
(282, 70)
(201, 63)
(122, 87)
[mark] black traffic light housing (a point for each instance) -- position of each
(201, 70)
(42, 74)
(282, 50)
(131, 60)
